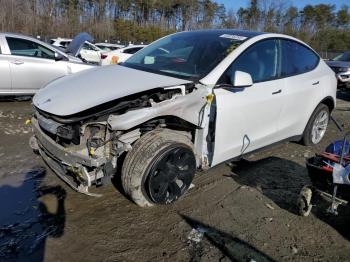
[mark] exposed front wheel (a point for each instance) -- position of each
(160, 168)
(317, 126)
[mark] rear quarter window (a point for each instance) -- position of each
(297, 58)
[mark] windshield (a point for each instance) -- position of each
(344, 57)
(187, 55)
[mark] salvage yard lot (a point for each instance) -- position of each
(246, 209)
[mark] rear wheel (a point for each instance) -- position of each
(317, 126)
(160, 168)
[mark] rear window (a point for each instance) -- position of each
(297, 58)
(344, 57)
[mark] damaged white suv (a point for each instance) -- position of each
(188, 101)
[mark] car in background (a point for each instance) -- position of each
(89, 52)
(60, 42)
(187, 102)
(27, 64)
(108, 46)
(120, 55)
(341, 66)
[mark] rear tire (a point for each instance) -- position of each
(153, 172)
(317, 126)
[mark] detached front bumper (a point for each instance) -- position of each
(71, 167)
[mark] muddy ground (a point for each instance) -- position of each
(244, 211)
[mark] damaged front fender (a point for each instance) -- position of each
(189, 107)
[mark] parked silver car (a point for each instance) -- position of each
(28, 64)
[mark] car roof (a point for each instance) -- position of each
(108, 44)
(60, 39)
(244, 33)
(133, 46)
(32, 39)
(17, 35)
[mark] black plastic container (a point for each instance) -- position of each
(322, 179)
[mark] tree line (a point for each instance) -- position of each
(323, 26)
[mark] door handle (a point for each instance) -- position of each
(277, 92)
(316, 83)
(17, 62)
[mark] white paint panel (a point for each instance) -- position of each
(251, 114)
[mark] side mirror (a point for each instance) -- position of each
(59, 57)
(242, 79)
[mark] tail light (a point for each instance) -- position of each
(103, 56)
(114, 60)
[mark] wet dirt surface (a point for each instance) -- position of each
(243, 211)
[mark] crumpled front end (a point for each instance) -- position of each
(80, 159)
(83, 150)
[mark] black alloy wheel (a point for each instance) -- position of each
(170, 175)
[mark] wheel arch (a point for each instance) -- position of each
(328, 101)
(171, 122)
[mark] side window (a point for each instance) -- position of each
(132, 50)
(87, 46)
(261, 61)
(297, 59)
(23, 47)
(94, 48)
(65, 43)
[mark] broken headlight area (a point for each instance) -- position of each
(91, 162)
(61, 133)
(69, 133)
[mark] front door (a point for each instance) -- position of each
(32, 65)
(247, 119)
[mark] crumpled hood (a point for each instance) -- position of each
(89, 88)
(338, 64)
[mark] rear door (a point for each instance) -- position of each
(304, 87)
(5, 73)
(32, 65)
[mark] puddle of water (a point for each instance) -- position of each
(25, 221)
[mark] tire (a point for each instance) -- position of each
(151, 173)
(310, 137)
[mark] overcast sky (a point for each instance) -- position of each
(236, 4)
